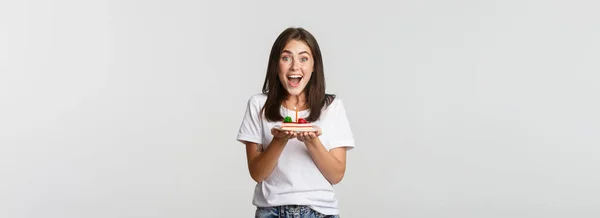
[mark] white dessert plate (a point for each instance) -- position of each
(315, 128)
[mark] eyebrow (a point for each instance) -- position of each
(303, 52)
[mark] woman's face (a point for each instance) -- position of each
(295, 66)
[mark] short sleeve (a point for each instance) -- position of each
(342, 136)
(251, 127)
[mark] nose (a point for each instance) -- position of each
(295, 65)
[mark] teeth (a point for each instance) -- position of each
(295, 76)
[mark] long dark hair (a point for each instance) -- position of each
(316, 98)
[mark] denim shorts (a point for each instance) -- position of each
(290, 211)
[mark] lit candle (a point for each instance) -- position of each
(296, 114)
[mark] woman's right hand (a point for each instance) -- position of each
(280, 134)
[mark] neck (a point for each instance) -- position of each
(298, 101)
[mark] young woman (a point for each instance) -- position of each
(295, 171)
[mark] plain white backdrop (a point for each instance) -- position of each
(130, 109)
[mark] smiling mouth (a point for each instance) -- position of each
(294, 80)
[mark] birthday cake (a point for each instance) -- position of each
(300, 125)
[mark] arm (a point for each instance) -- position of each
(262, 162)
(332, 164)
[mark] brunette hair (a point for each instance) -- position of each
(316, 98)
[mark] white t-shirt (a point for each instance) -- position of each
(296, 179)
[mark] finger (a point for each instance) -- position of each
(305, 136)
(304, 139)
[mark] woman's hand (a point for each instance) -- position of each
(280, 134)
(309, 137)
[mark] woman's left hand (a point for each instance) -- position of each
(309, 137)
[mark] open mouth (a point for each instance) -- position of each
(294, 80)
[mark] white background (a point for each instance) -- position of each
(459, 108)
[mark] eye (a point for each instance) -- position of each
(303, 59)
(285, 58)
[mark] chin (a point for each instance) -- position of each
(295, 91)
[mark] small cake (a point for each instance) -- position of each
(301, 125)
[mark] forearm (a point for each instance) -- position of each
(332, 168)
(262, 166)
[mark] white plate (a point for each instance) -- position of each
(314, 128)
